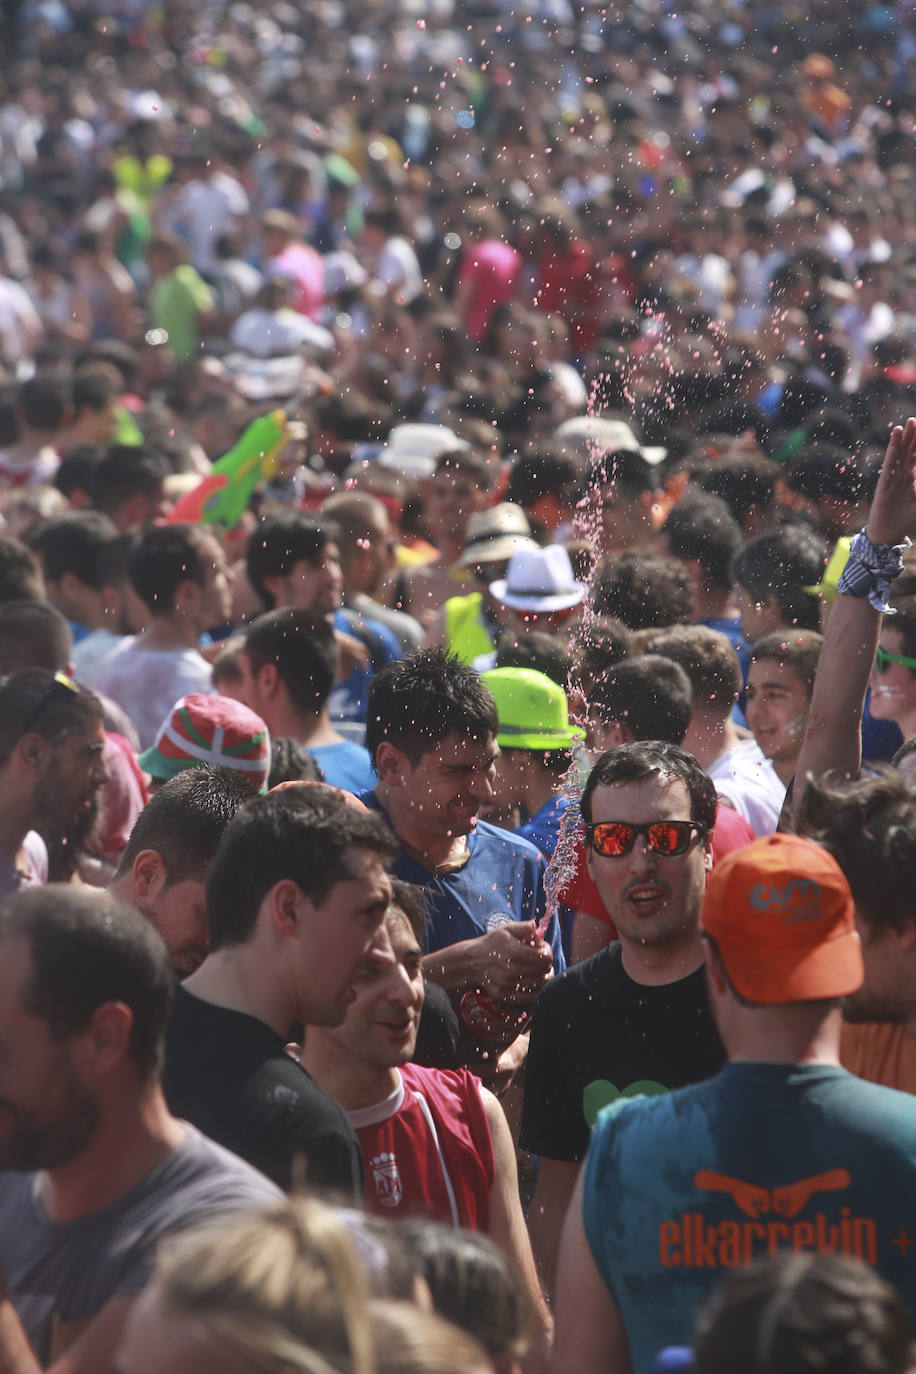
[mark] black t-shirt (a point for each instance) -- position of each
(230, 1076)
(439, 1032)
(596, 1035)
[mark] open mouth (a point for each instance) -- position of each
(646, 897)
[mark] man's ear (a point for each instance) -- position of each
(906, 936)
(391, 764)
(266, 681)
(275, 584)
(707, 855)
(611, 734)
(286, 906)
(149, 874)
(187, 596)
(33, 751)
(105, 1042)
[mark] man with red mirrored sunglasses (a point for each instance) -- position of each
(633, 1018)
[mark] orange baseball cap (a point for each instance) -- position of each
(781, 915)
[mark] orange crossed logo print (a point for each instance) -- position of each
(786, 1201)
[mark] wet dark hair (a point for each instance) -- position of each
(185, 819)
(416, 702)
(309, 835)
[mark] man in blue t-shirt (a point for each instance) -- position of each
(780, 1150)
(431, 732)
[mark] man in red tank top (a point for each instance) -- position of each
(434, 1141)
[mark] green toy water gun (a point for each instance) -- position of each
(223, 495)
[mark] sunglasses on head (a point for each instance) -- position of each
(60, 688)
(883, 660)
(613, 839)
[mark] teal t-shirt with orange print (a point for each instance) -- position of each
(763, 1157)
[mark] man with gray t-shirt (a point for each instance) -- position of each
(94, 1168)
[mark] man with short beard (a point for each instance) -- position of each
(95, 1170)
(52, 744)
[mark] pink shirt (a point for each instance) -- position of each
(305, 269)
(492, 269)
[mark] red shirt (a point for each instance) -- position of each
(427, 1149)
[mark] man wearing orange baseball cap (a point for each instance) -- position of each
(782, 1149)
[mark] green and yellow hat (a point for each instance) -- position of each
(533, 710)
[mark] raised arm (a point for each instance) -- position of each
(833, 739)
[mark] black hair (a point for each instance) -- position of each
(744, 481)
(825, 470)
(33, 634)
(780, 564)
(542, 472)
(545, 653)
(184, 821)
(603, 641)
(416, 702)
(303, 649)
(125, 471)
(650, 695)
(77, 467)
(283, 539)
(74, 543)
(703, 528)
(43, 399)
(309, 835)
(621, 468)
(163, 557)
(633, 762)
(94, 385)
(86, 949)
(411, 900)
(291, 762)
